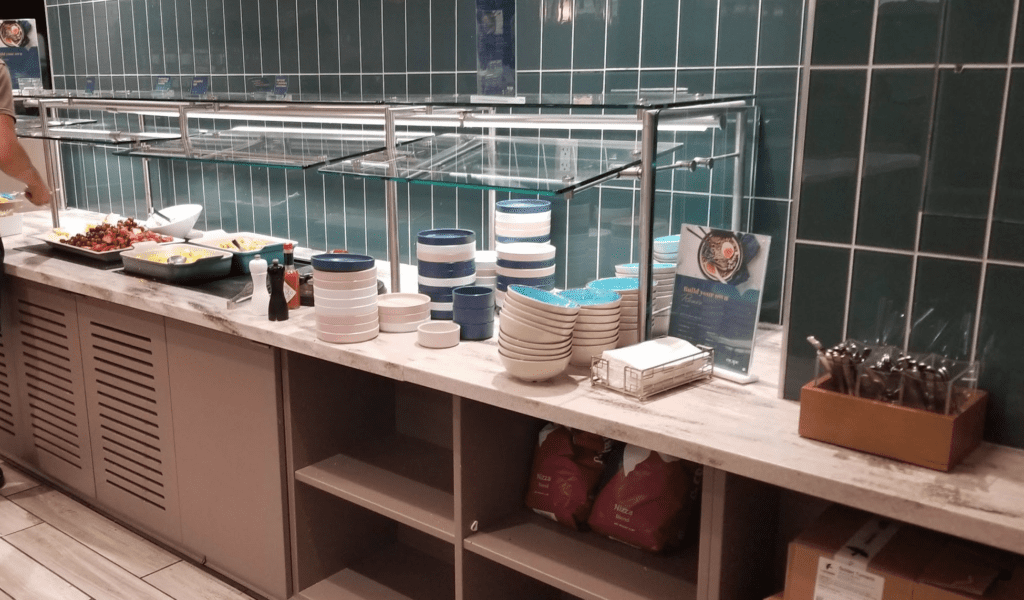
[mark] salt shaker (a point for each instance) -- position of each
(260, 302)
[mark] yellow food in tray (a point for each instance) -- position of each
(247, 244)
(189, 255)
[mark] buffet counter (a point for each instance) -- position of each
(738, 430)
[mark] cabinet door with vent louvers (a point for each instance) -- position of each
(124, 354)
(15, 437)
(50, 389)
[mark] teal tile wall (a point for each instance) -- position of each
(374, 47)
(911, 201)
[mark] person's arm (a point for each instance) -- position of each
(16, 163)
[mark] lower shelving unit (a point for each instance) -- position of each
(398, 571)
(585, 564)
(399, 476)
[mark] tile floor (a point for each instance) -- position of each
(54, 548)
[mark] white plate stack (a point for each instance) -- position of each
(535, 333)
(629, 289)
(597, 325)
(487, 268)
(664, 275)
(522, 221)
(401, 313)
(666, 249)
(525, 263)
(345, 298)
(446, 259)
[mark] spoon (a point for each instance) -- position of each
(237, 245)
(177, 259)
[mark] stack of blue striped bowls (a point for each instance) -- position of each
(522, 221)
(525, 263)
(445, 260)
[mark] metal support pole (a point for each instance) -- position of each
(147, 186)
(740, 151)
(54, 172)
(391, 201)
(648, 173)
(492, 195)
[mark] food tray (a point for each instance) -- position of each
(641, 384)
(144, 261)
(274, 248)
(54, 237)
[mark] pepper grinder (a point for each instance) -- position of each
(260, 295)
(278, 309)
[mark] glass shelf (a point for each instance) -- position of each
(546, 166)
(289, 148)
(99, 133)
(27, 126)
(657, 98)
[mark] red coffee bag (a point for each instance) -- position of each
(648, 501)
(567, 466)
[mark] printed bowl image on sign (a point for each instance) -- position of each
(13, 34)
(720, 255)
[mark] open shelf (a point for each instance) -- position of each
(99, 133)
(546, 166)
(400, 477)
(399, 572)
(583, 563)
(292, 148)
(33, 126)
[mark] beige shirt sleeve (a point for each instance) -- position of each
(6, 100)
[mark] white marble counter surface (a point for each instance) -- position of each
(745, 430)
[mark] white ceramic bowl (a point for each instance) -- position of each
(347, 338)
(526, 251)
(530, 370)
(438, 334)
(351, 303)
(551, 324)
(523, 345)
(523, 273)
(345, 276)
(603, 319)
(453, 282)
(393, 327)
(537, 217)
(522, 330)
(331, 320)
(549, 351)
(405, 318)
(595, 327)
(354, 312)
(521, 229)
(319, 283)
(628, 338)
(366, 293)
(182, 217)
(486, 258)
(592, 337)
(567, 308)
(589, 311)
(504, 350)
(582, 356)
(403, 304)
(346, 329)
(445, 254)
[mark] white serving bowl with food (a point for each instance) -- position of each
(176, 221)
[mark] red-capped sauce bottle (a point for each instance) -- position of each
(291, 278)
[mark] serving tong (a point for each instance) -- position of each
(841, 362)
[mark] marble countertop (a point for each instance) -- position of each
(746, 430)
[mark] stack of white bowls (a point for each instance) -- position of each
(664, 275)
(345, 298)
(522, 221)
(487, 268)
(597, 325)
(666, 249)
(535, 333)
(629, 289)
(525, 263)
(401, 313)
(446, 259)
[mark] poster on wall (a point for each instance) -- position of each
(718, 290)
(496, 47)
(19, 48)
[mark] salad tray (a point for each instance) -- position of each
(268, 247)
(150, 259)
(55, 238)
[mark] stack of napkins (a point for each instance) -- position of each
(647, 355)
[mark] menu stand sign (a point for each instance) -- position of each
(717, 295)
(19, 48)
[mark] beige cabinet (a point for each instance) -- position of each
(128, 393)
(228, 452)
(173, 428)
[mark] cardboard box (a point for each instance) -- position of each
(965, 571)
(915, 436)
(857, 546)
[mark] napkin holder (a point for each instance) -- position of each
(641, 384)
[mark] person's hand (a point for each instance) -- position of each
(37, 192)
